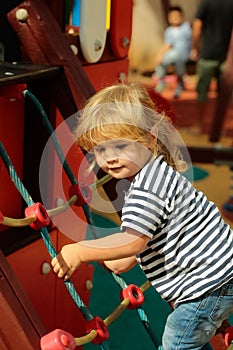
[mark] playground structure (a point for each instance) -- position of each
(63, 82)
(62, 79)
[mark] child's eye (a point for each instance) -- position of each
(121, 146)
(99, 149)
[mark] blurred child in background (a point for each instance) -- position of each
(176, 49)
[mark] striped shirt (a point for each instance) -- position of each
(190, 251)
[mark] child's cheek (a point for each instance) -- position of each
(100, 161)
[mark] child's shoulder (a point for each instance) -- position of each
(186, 25)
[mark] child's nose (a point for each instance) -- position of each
(111, 154)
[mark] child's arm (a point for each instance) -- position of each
(196, 39)
(162, 51)
(121, 265)
(114, 247)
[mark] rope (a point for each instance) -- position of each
(17, 222)
(110, 318)
(51, 212)
(45, 235)
(51, 133)
(141, 313)
(29, 220)
(58, 149)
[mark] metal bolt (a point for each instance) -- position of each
(98, 45)
(46, 268)
(22, 15)
(60, 202)
(74, 49)
(122, 77)
(89, 285)
(125, 41)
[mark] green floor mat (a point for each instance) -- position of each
(196, 174)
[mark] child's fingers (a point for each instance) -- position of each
(54, 261)
(59, 267)
(67, 276)
(62, 272)
(56, 268)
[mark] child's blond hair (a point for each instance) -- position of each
(127, 111)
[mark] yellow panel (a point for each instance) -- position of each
(108, 13)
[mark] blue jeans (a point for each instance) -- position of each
(192, 325)
(172, 56)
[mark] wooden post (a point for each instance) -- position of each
(165, 6)
(45, 43)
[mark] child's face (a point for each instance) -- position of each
(121, 158)
(175, 18)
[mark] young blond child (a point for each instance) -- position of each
(169, 228)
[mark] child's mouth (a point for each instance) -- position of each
(116, 168)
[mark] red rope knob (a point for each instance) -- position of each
(82, 191)
(57, 340)
(228, 336)
(42, 218)
(134, 294)
(97, 324)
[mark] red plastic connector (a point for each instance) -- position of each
(228, 336)
(57, 340)
(97, 324)
(82, 191)
(134, 294)
(42, 218)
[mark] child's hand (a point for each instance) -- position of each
(194, 55)
(159, 59)
(67, 261)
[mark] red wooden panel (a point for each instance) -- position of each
(121, 26)
(56, 183)
(27, 264)
(67, 313)
(11, 136)
(107, 73)
(19, 324)
(71, 225)
(47, 292)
